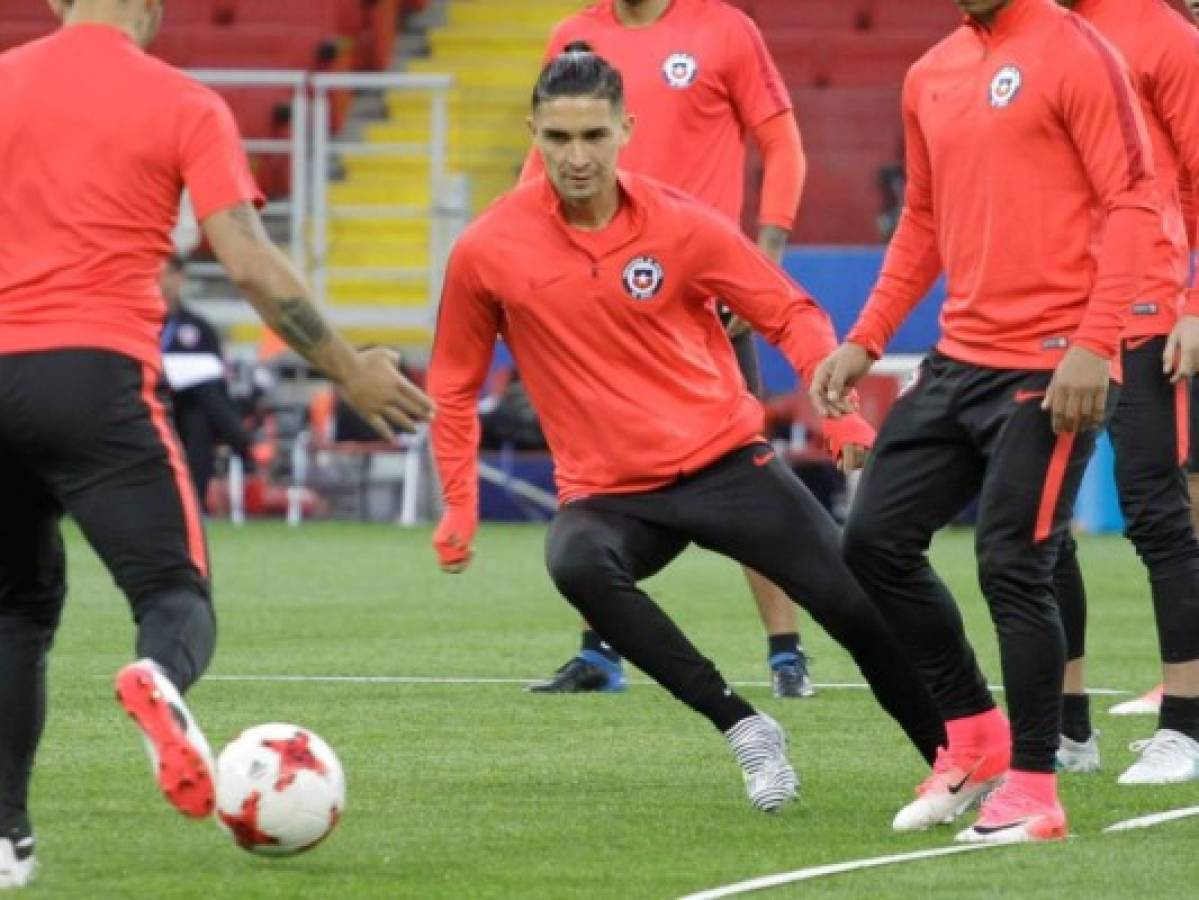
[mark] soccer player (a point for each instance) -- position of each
(1025, 150)
(602, 283)
(97, 140)
(698, 79)
(1149, 427)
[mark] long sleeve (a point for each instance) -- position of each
(1176, 101)
(784, 168)
(913, 261)
(733, 269)
(1104, 119)
(467, 324)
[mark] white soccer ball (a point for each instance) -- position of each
(280, 789)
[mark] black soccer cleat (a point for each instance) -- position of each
(792, 679)
(579, 676)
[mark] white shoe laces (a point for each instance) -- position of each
(1162, 746)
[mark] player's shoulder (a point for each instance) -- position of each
(507, 214)
(948, 51)
(663, 200)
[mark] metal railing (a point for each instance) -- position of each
(313, 150)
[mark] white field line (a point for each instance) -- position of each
(853, 865)
(1155, 819)
(436, 679)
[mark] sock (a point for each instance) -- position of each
(782, 650)
(596, 644)
(725, 710)
(978, 731)
(1076, 717)
(1041, 786)
(1180, 714)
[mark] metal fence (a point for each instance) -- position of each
(313, 151)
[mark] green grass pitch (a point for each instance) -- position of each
(480, 791)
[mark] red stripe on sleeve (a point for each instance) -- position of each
(1052, 489)
(765, 71)
(1122, 93)
(187, 495)
(1182, 420)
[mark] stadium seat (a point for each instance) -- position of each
(318, 13)
(27, 11)
(934, 18)
(849, 118)
(822, 14)
(842, 199)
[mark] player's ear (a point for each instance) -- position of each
(628, 122)
(532, 125)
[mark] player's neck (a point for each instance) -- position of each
(595, 213)
(642, 14)
(988, 19)
(100, 13)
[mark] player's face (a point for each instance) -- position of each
(981, 9)
(580, 139)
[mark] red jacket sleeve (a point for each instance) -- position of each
(784, 169)
(1176, 101)
(467, 324)
(1103, 117)
(913, 261)
(756, 88)
(730, 267)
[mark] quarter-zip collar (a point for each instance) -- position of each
(626, 225)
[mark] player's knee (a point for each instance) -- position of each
(1164, 543)
(579, 564)
(867, 545)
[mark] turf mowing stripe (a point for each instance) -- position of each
(853, 865)
(434, 679)
(1155, 819)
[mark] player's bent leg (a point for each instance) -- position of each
(126, 484)
(595, 557)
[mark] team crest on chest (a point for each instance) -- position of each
(643, 278)
(680, 70)
(1005, 86)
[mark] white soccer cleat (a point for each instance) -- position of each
(179, 752)
(760, 746)
(1148, 704)
(954, 786)
(1169, 757)
(18, 865)
(1080, 758)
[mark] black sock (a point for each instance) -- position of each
(595, 643)
(1180, 714)
(725, 710)
(1076, 717)
(782, 649)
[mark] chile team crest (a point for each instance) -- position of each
(643, 278)
(1005, 86)
(680, 70)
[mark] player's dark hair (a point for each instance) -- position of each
(578, 72)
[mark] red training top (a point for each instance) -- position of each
(1030, 179)
(1162, 52)
(696, 80)
(97, 141)
(614, 335)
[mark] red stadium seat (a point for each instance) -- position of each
(833, 119)
(841, 201)
(241, 47)
(13, 34)
(865, 59)
(822, 14)
(27, 11)
(322, 13)
(934, 17)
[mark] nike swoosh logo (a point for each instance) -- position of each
(1025, 396)
(995, 829)
(955, 788)
(762, 458)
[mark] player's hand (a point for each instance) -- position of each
(379, 392)
(831, 390)
(1077, 394)
(849, 439)
(453, 537)
(1181, 357)
(736, 326)
(853, 457)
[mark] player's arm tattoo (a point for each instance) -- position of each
(300, 325)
